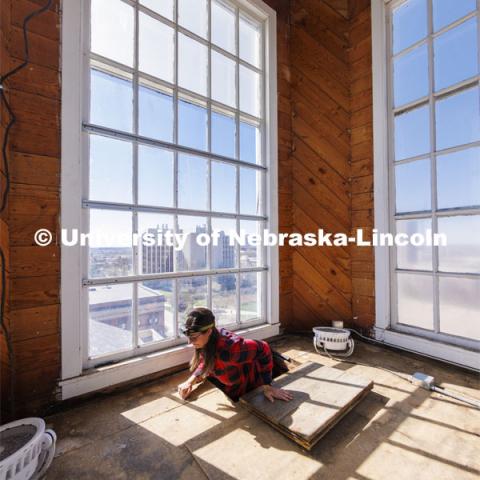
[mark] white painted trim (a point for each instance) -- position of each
(71, 187)
(271, 152)
(73, 302)
(383, 209)
(380, 162)
(103, 377)
(438, 350)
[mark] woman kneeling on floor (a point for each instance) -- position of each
(234, 364)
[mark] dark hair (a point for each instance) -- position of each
(200, 319)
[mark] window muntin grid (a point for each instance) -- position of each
(419, 145)
(148, 86)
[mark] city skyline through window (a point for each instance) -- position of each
(175, 141)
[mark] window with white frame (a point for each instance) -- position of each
(175, 133)
(434, 167)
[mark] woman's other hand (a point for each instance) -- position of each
(185, 389)
(272, 393)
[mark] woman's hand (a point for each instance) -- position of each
(271, 393)
(185, 389)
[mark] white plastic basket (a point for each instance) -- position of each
(332, 339)
(30, 460)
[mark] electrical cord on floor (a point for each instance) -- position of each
(11, 122)
(419, 379)
(340, 358)
(352, 362)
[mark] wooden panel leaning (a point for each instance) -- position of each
(321, 397)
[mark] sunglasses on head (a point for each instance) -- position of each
(195, 332)
(195, 335)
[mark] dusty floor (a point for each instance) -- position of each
(398, 432)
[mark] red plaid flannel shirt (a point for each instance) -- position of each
(240, 364)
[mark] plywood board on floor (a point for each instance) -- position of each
(321, 397)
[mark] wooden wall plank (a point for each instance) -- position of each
(363, 304)
(340, 256)
(35, 261)
(30, 292)
(302, 267)
(38, 321)
(29, 352)
(338, 185)
(44, 25)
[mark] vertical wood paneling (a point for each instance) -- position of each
(285, 184)
(34, 164)
(363, 292)
(5, 366)
(319, 59)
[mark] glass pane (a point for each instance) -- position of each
(224, 254)
(155, 311)
(112, 30)
(192, 292)
(155, 244)
(249, 91)
(163, 7)
(223, 79)
(456, 55)
(250, 143)
(412, 133)
(155, 114)
(413, 257)
(223, 25)
(111, 170)
(192, 124)
(249, 41)
(250, 254)
(153, 60)
(250, 296)
(192, 15)
(224, 187)
(111, 101)
(192, 65)
(462, 252)
(458, 179)
(110, 248)
(458, 119)
(224, 299)
(192, 182)
(249, 191)
(409, 24)
(447, 11)
(415, 300)
(110, 319)
(155, 176)
(410, 76)
(223, 134)
(459, 307)
(192, 255)
(413, 186)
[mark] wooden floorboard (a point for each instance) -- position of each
(321, 397)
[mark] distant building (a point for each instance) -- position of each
(157, 258)
(223, 254)
(193, 256)
(111, 305)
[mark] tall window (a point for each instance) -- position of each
(175, 142)
(435, 166)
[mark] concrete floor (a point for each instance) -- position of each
(398, 432)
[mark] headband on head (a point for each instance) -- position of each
(196, 328)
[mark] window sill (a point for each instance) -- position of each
(424, 346)
(103, 377)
